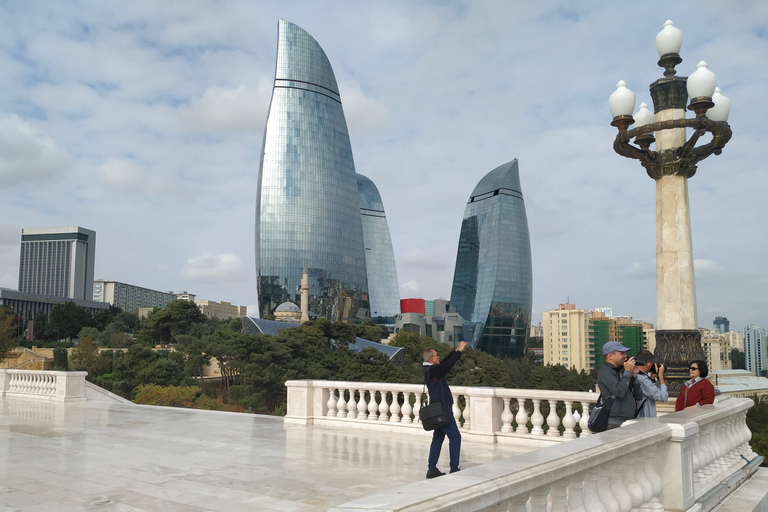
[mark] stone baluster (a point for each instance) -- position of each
(553, 420)
(733, 437)
(362, 406)
(721, 448)
(456, 411)
(506, 416)
(709, 467)
(383, 407)
(522, 417)
(696, 460)
(569, 422)
(633, 488)
(537, 420)
(617, 486)
(605, 492)
(417, 408)
(642, 477)
(576, 493)
(656, 483)
(539, 499)
(466, 413)
(592, 501)
(407, 409)
(518, 504)
(51, 384)
(394, 409)
(373, 407)
(584, 420)
(352, 405)
(559, 496)
(341, 405)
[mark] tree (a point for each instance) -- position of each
(85, 355)
(738, 361)
(8, 340)
(66, 320)
(178, 317)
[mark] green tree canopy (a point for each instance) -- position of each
(178, 317)
(67, 319)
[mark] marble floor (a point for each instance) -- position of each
(114, 457)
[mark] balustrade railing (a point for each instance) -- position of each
(686, 461)
(43, 385)
(491, 414)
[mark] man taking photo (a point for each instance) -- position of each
(617, 379)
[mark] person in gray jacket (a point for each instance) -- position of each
(653, 393)
(617, 379)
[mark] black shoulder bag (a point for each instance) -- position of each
(432, 415)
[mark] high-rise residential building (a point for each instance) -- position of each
(222, 310)
(717, 350)
(383, 289)
(566, 337)
(493, 279)
(129, 297)
(735, 339)
(57, 262)
(307, 203)
(756, 350)
(624, 329)
(722, 325)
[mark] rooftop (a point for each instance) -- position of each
(124, 457)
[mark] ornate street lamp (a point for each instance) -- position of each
(671, 162)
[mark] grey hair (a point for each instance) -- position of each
(427, 355)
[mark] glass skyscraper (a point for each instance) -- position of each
(307, 200)
(493, 279)
(379, 256)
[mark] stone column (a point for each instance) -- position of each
(678, 340)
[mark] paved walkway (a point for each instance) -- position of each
(114, 457)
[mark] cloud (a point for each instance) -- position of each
(213, 268)
(365, 115)
(410, 289)
(130, 176)
(416, 257)
(707, 268)
(8, 281)
(27, 156)
(225, 110)
(641, 270)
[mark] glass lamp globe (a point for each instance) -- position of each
(643, 116)
(702, 82)
(669, 40)
(722, 108)
(622, 101)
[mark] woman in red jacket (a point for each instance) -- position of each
(698, 390)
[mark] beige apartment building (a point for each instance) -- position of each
(735, 339)
(221, 310)
(566, 338)
(717, 350)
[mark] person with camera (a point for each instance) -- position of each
(697, 391)
(617, 380)
(652, 392)
(434, 376)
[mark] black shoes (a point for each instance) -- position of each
(434, 473)
(455, 470)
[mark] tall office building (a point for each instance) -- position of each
(756, 350)
(383, 289)
(307, 205)
(566, 337)
(493, 280)
(57, 262)
(722, 325)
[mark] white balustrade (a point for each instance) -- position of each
(43, 385)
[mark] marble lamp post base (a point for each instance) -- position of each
(676, 348)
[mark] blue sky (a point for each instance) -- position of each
(144, 121)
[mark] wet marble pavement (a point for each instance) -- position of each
(115, 457)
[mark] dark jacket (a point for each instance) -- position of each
(626, 388)
(702, 393)
(434, 377)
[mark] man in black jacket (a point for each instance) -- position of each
(434, 377)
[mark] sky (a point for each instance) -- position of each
(144, 120)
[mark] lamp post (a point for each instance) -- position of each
(670, 163)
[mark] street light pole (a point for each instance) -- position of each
(671, 163)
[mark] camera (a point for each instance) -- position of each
(640, 362)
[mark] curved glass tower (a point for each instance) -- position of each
(493, 280)
(379, 256)
(307, 201)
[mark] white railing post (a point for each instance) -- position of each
(5, 379)
(676, 463)
(486, 412)
(300, 402)
(522, 417)
(407, 409)
(537, 420)
(553, 420)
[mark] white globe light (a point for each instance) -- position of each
(643, 116)
(722, 108)
(576, 416)
(669, 40)
(702, 82)
(622, 101)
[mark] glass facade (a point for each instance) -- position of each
(493, 279)
(379, 255)
(307, 199)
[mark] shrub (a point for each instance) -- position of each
(60, 362)
(175, 396)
